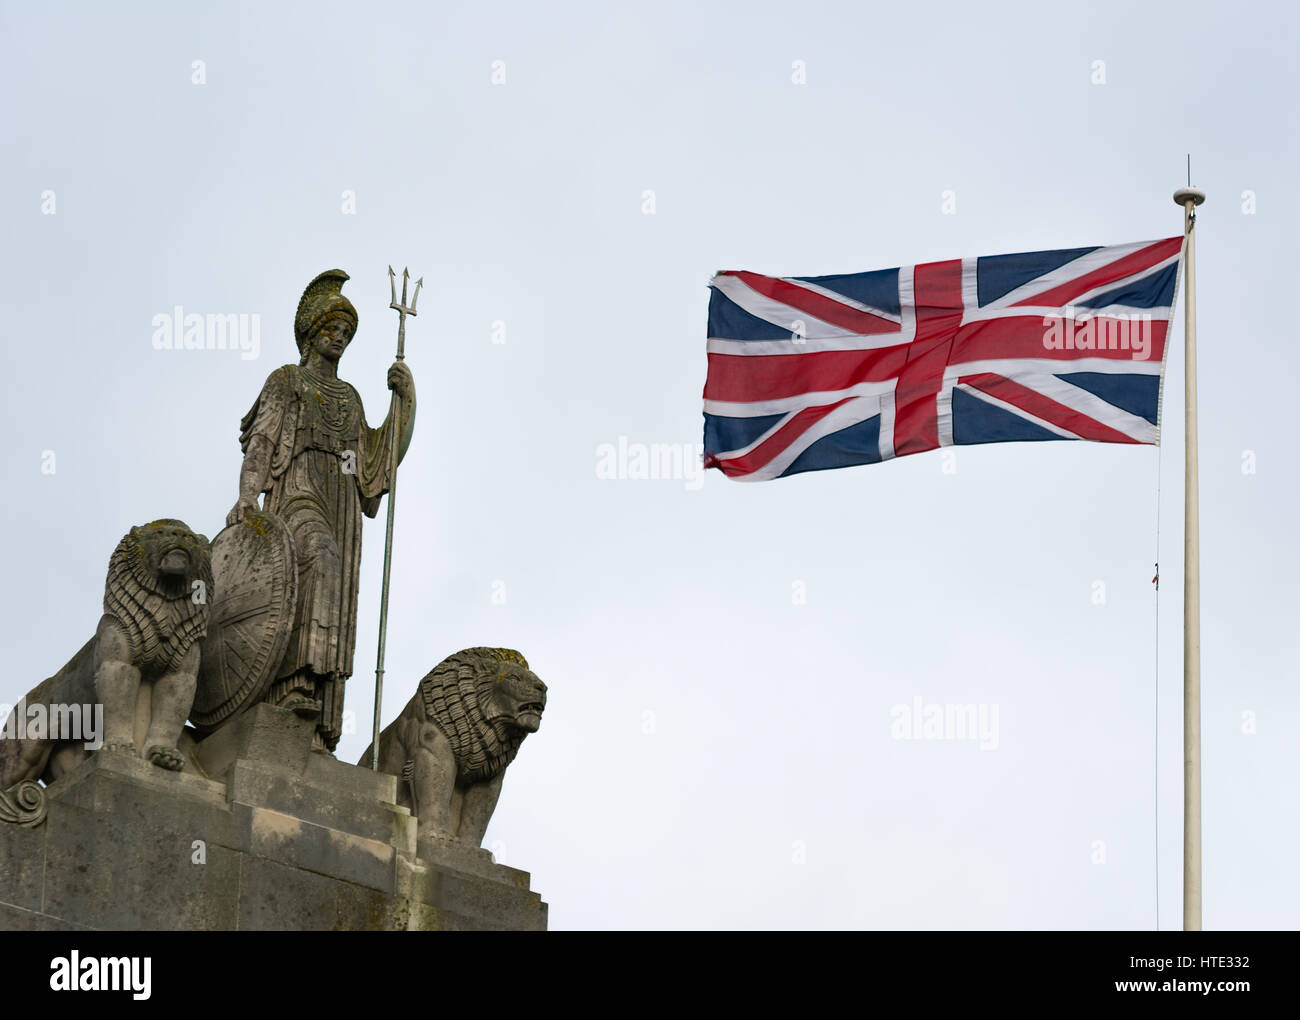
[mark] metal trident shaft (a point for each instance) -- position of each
(403, 310)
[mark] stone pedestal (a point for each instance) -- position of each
(256, 833)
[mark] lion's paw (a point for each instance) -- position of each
(166, 757)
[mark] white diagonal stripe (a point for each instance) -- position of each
(1160, 314)
(848, 342)
(741, 451)
(1018, 411)
(1085, 402)
(1052, 366)
(841, 418)
(781, 405)
(1123, 281)
(843, 299)
(776, 312)
(1072, 270)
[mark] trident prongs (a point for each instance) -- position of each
(401, 307)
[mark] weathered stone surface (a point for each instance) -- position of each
(256, 583)
(307, 445)
(276, 897)
(22, 866)
(253, 783)
(262, 734)
(131, 791)
(107, 872)
(265, 760)
(234, 821)
(493, 905)
(127, 845)
(138, 670)
(292, 841)
(120, 848)
(456, 737)
(17, 919)
(349, 780)
(113, 765)
(472, 860)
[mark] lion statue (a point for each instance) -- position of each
(455, 737)
(141, 666)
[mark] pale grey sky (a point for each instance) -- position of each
(715, 753)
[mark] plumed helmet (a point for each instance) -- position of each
(323, 297)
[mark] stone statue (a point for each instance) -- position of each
(307, 446)
(218, 669)
(455, 737)
(155, 614)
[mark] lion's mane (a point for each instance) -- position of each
(453, 694)
(159, 615)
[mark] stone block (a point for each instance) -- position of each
(263, 733)
(288, 844)
(471, 860)
(109, 872)
(131, 791)
(275, 897)
(278, 897)
(258, 784)
(22, 866)
(492, 905)
(16, 919)
(310, 847)
(362, 909)
(350, 780)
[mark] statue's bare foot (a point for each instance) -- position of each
(166, 757)
(121, 746)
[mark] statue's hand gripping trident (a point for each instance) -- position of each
(399, 381)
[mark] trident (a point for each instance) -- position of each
(403, 310)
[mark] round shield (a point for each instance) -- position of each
(254, 584)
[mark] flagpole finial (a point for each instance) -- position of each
(1184, 195)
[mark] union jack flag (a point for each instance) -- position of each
(815, 372)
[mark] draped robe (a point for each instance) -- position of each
(328, 467)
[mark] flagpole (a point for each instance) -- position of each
(1189, 198)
